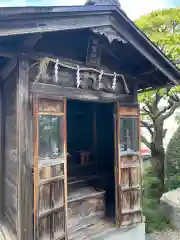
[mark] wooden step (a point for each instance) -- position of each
(81, 180)
(49, 180)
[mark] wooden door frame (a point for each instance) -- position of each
(35, 160)
(65, 167)
(117, 163)
(36, 112)
(131, 112)
(24, 153)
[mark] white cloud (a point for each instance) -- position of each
(55, 2)
(23, 3)
(12, 3)
(136, 8)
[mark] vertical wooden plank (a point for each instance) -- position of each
(36, 171)
(10, 168)
(1, 156)
(119, 167)
(135, 92)
(20, 146)
(117, 164)
(65, 166)
(24, 193)
(30, 172)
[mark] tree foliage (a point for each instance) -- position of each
(157, 106)
(163, 28)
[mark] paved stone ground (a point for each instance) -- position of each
(131, 233)
(167, 235)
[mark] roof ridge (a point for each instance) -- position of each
(104, 2)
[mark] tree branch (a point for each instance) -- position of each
(147, 111)
(164, 132)
(173, 97)
(149, 107)
(146, 142)
(157, 98)
(164, 110)
(171, 111)
(148, 126)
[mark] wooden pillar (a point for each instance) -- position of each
(24, 153)
(135, 92)
(1, 157)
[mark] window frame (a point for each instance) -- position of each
(133, 136)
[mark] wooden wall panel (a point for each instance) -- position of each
(17, 161)
(53, 106)
(131, 218)
(128, 111)
(125, 179)
(50, 181)
(57, 189)
(135, 176)
(58, 224)
(45, 228)
(49, 172)
(44, 198)
(10, 173)
(51, 196)
(24, 153)
(130, 172)
(129, 159)
(1, 155)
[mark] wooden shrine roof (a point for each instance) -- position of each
(146, 61)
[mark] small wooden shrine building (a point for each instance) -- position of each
(70, 164)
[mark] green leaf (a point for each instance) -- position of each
(163, 28)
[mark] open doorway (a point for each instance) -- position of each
(90, 167)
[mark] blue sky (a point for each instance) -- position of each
(134, 8)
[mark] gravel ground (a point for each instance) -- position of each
(167, 235)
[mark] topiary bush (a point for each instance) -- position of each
(172, 162)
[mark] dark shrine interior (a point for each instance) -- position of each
(90, 129)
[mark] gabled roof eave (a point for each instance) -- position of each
(47, 19)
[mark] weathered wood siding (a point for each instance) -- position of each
(129, 167)
(10, 154)
(50, 181)
(16, 154)
(24, 153)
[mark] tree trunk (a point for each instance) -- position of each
(158, 155)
